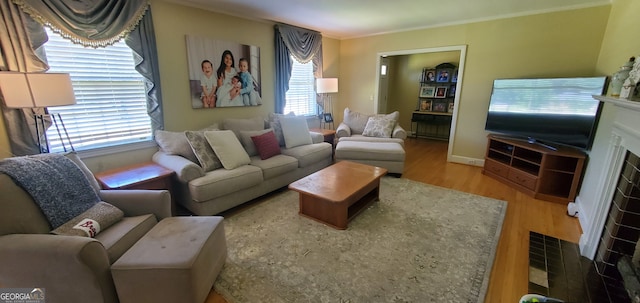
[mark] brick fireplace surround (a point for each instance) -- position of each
(622, 228)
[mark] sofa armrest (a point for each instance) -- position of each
(185, 169)
(343, 131)
(316, 137)
(136, 202)
(399, 132)
(56, 263)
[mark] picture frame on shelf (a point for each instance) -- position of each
(429, 75)
(441, 92)
(328, 118)
(424, 105)
(450, 110)
(454, 77)
(452, 90)
(439, 106)
(427, 91)
(443, 75)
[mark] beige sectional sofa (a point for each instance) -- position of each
(206, 190)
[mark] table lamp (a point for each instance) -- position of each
(326, 86)
(32, 90)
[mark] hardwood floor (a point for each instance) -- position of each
(426, 162)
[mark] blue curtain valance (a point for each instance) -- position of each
(92, 23)
(303, 44)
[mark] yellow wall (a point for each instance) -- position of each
(172, 23)
(555, 44)
(620, 42)
(560, 44)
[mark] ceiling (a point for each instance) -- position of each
(343, 19)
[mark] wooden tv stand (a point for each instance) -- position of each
(535, 170)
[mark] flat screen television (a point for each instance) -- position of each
(552, 111)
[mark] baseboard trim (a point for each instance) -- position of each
(466, 160)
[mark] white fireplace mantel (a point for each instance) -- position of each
(617, 134)
(633, 105)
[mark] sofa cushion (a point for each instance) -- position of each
(203, 151)
(355, 120)
(382, 151)
(175, 143)
(91, 222)
(275, 166)
(378, 126)
(310, 154)
(118, 238)
(238, 125)
(361, 138)
(247, 142)
(296, 131)
(222, 182)
(228, 149)
(267, 145)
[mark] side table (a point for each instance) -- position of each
(329, 135)
(148, 175)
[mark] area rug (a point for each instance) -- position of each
(418, 243)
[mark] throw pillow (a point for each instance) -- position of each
(91, 222)
(295, 131)
(202, 149)
(274, 122)
(379, 127)
(277, 130)
(247, 142)
(237, 125)
(355, 120)
(267, 145)
(175, 143)
(393, 116)
(228, 148)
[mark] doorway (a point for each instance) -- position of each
(382, 102)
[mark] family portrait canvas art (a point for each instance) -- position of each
(223, 73)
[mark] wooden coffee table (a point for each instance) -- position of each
(338, 193)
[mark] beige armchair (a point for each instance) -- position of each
(354, 124)
(71, 268)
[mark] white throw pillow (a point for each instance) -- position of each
(295, 131)
(379, 127)
(228, 148)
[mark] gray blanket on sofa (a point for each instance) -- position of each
(54, 182)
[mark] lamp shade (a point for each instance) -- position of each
(28, 90)
(326, 85)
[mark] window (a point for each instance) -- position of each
(111, 104)
(301, 96)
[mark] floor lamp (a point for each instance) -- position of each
(326, 86)
(39, 90)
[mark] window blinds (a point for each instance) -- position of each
(110, 94)
(301, 96)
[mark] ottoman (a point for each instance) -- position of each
(176, 261)
(389, 155)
